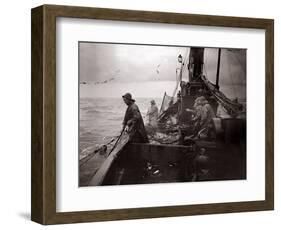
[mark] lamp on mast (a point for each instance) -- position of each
(180, 58)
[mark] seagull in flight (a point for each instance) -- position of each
(157, 70)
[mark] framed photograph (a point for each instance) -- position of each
(140, 114)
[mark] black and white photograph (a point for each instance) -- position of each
(161, 114)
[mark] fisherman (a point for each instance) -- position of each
(203, 114)
(206, 118)
(197, 109)
(201, 166)
(197, 114)
(152, 114)
(207, 113)
(133, 121)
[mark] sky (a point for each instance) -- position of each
(110, 70)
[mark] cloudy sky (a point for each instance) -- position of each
(110, 70)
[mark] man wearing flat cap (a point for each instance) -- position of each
(133, 121)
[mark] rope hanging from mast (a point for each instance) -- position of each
(232, 107)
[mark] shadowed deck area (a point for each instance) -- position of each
(147, 163)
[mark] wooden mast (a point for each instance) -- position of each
(218, 68)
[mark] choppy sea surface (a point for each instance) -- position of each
(101, 120)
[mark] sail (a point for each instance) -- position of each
(167, 100)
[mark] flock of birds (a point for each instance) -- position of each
(113, 78)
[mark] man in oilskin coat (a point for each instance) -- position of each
(133, 121)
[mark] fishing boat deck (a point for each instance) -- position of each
(148, 163)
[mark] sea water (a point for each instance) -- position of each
(100, 120)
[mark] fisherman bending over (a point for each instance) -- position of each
(133, 121)
(197, 114)
(207, 113)
(152, 114)
(203, 114)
